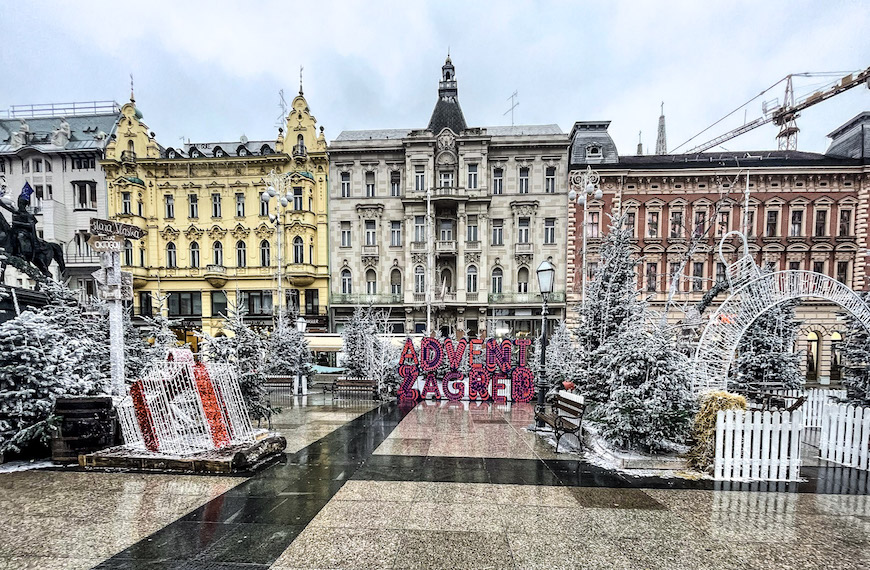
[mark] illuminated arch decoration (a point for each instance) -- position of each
(752, 294)
(181, 407)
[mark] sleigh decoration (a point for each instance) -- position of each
(181, 407)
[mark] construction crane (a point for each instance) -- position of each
(783, 115)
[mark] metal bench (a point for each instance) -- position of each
(346, 386)
(565, 414)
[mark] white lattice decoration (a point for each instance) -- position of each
(751, 295)
(180, 408)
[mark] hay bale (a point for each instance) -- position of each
(703, 452)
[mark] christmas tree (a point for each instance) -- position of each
(287, 351)
(137, 352)
(611, 301)
(765, 359)
(856, 362)
(368, 350)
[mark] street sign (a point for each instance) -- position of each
(105, 243)
(99, 276)
(111, 228)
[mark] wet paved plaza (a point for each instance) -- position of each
(437, 486)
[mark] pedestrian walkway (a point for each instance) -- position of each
(434, 486)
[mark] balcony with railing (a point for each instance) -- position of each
(472, 246)
(366, 299)
(418, 246)
(128, 156)
(216, 275)
(370, 250)
(445, 247)
(524, 248)
(81, 259)
(524, 298)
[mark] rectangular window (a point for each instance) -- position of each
(498, 232)
(523, 230)
(797, 223)
(218, 303)
(82, 163)
(48, 192)
(371, 233)
(370, 184)
(258, 303)
(630, 222)
(445, 179)
(821, 223)
(674, 273)
(345, 234)
(698, 276)
(722, 227)
(700, 223)
(297, 198)
(264, 208)
(240, 205)
(592, 229)
(472, 176)
(312, 301)
(145, 308)
(524, 180)
(652, 224)
(26, 167)
(37, 165)
(750, 224)
(395, 234)
(720, 272)
(549, 231)
(170, 206)
(446, 230)
(794, 265)
(215, 205)
(420, 178)
(185, 304)
(842, 271)
(471, 229)
(192, 206)
(395, 184)
(772, 224)
(651, 276)
(845, 223)
(345, 184)
(550, 180)
(419, 228)
(676, 224)
(85, 194)
(498, 181)
(126, 202)
(591, 270)
(819, 267)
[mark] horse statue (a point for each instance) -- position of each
(20, 240)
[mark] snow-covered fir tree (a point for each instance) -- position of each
(368, 349)
(137, 352)
(287, 352)
(855, 363)
(765, 356)
(651, 402)
(357, 337)
(162, 336)
(245, 350)
(611, 300)
(562, 360)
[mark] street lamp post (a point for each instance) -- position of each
(584, 185)
(276, 189)
(546, 276)
(301, 325)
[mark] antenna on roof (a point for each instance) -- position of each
(514, 104)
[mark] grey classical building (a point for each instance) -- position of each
(445, 226)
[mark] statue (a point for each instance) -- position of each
(20, 240)
(19, 137)
(61, 135)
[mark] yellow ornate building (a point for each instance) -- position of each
(211, 242)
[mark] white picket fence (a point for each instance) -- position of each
(813, 408)
(758, 445)
(845, 436)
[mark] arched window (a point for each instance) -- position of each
(297, 250)
(171, 259)
(396, 282)
(497, 278)
(471, 279)
(371, 282)
(300, 145)
(194, 255)
(128, 252)
(523, 280)
(419, 279)
(218, 250)
(264, 253)
(346, 286)
(241, 253)
(836, 357)
(813, 353)
(130, 146)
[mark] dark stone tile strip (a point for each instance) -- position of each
(251, 525)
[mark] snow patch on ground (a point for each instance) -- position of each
(15, 466)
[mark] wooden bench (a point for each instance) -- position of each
(565, 414)
(767, 402)
(351, 386)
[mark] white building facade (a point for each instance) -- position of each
(56, 149)
(445, 226)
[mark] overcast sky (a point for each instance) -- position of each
(211, 71)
